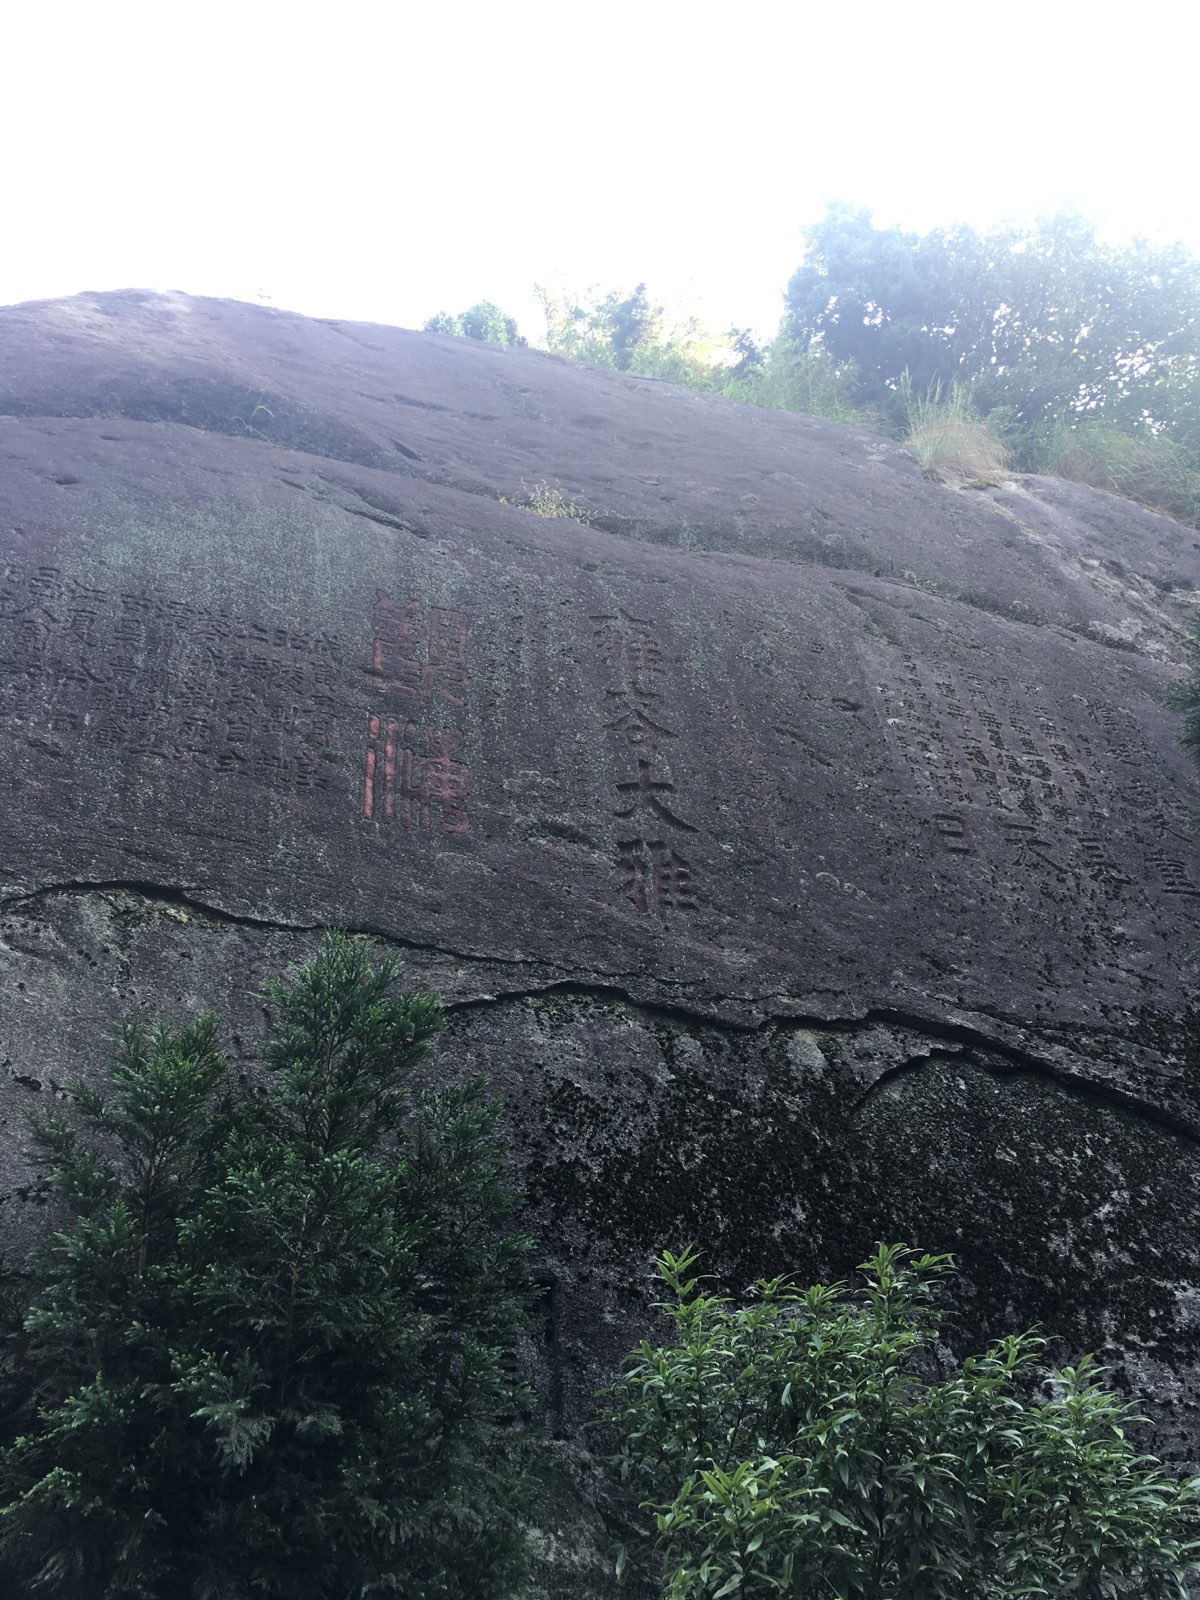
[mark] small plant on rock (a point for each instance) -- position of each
(548, 500)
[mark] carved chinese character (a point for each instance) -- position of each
(1030, 846)
(654, 877)
(629, 644)
(447, 637)
(437, 779)
(1099, 864)
(634, 717)
(47, 584)
(397, 631)
(1173, 875)
(951, 830)
(645, 793)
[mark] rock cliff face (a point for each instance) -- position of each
(801, 846)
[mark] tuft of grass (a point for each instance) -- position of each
(1141, 466)
(952, 443)
(547, 500)
(253, 426)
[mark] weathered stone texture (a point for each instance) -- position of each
(802, 847)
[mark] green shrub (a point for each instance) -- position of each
(270, 1351)
(682, 359)
(484, 321)
(819, 1442)
(632, 333)
(1043, 318)
(795, 377)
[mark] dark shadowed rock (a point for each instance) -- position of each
(802, 847)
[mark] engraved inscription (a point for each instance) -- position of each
(951, 830)
(652, 875)
(413, 776)
(413, 772)
(1173, 875)
(1030, 849)
(985, 760)
(646, 794)
(133, 673)
(634, 717)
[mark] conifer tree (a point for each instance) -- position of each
(270, 1351)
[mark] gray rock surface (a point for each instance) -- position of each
(802, 847)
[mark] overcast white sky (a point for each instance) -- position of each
(385, 161)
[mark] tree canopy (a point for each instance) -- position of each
(1046, 320)
(484, 321)
(630, 331)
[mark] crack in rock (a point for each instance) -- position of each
(964, 1035)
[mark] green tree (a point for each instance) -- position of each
(790, 377)
(484, 321)
(270, 1352)
(820, 1442)
(1047, 320)
(632, 333)
(606, 330)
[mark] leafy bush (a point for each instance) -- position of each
(797, 377)
(953, 445)
(484, 321)
(269, 1353)
(605, 330)
(1047, 318)
(819, 1442)
(684, 359)
(632, 333)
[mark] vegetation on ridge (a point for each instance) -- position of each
(483, 321)
(1039, 347)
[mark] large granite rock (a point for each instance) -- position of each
(801, 847)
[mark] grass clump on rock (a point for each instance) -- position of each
(952, 443)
